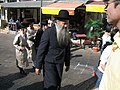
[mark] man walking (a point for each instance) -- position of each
(54, 51)
(44, 26)
(31, 33)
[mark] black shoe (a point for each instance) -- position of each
(21, 70)
(33, 68)
(24, 73)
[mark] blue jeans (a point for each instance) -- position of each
(99, 75)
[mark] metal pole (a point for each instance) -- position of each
(40, 12)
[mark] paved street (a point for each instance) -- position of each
(79, 77)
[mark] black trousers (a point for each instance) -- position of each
(52, 75)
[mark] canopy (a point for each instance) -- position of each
(95, 6)
(25, 4)
(54, 8)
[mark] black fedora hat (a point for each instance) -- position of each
(63, 15)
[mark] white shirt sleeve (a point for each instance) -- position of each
(104, 57)
(105, 54)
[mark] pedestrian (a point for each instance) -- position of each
(106, 36)
(44, 26)
(54, 51)
(31, 33)
(18, 24)
(50, 22)
(11, 21)
(21, 45)
(111, 76)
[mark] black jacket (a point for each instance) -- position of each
(50, 51)
(38, 37)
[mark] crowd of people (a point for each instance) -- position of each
(26, 43)
(49, 50)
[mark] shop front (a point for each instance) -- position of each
(23, 9)
(95, 10)
(95, 6)
(54, 8)
(76, 11)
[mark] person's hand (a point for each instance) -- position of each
(28, 48)
(37, 71)
(67, 68)
(21, 49)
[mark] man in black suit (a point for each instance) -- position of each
(44, 26)
(54, 52)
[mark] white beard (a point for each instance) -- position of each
(63, 36)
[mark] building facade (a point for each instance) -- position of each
(20, 9)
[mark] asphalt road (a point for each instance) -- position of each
(79, 77)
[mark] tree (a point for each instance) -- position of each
(93, 28)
